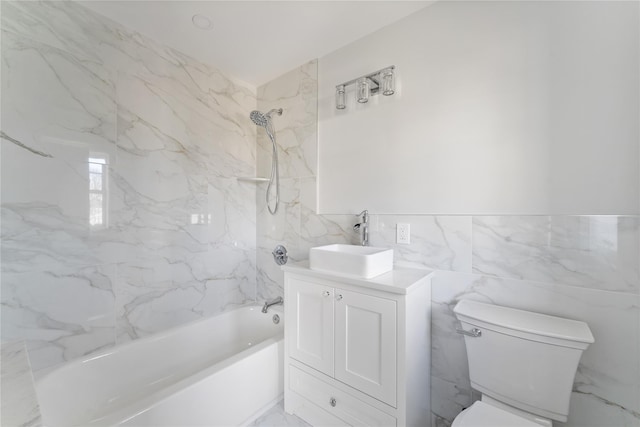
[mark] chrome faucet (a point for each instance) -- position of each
(363, 227)
(268, 304)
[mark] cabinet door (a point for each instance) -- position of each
(366, 344)
(310, 319)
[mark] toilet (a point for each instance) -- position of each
(523, 363)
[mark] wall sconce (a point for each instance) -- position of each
(381, 81)
(340, 98)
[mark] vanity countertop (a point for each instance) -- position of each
(398, 281)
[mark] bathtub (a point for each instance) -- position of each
(224, 370)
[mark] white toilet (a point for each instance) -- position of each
(523, 363)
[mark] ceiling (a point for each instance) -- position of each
(256, 41)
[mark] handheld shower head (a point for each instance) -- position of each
(261, 119)
(264, 120)
(258, 118)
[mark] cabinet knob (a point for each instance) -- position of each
(332, 401)
(338, 297)
(326, 293)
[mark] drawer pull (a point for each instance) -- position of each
(339, 297)
(332, 401)
(326, 293)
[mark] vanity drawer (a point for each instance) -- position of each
(338, 403)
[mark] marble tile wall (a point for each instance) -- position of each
(296, 224)
(20, 406)
(121, 212)
(580, 267)
(182, 238)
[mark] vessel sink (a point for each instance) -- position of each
(360, 261)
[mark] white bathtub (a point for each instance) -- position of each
(220, 371)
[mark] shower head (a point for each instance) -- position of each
(264, 120)
(261, 119)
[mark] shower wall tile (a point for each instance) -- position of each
(597, 252)
(20, 406)
(297, 128)
(176, 235)
(296, 135)
(189, 222)
(283, 228)
(606, 384)
(57, 94)
(42, 308)
(318, 230)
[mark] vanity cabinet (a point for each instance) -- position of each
(356, 350)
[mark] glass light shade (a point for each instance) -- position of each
(340, 98)
(387, 82)
(362, 90)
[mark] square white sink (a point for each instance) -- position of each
(360, 261)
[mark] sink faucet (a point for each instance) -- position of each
(268, 304)
(364, 227)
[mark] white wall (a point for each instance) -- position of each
(501, 108)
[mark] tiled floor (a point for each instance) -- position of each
(276, 417)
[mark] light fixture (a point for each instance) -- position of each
(381, 81)
(201, 22)
(340, 98)
(362, 90)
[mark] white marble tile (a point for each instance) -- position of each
(296, 130)
(179, 230)
(317, 230)
(599, 252)
(62, 313)
(437, 242)
(19, 400)
(62, 102)
(608, 374)
(283, 228)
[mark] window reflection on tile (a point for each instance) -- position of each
(98, 195)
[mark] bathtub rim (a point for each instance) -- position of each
(140, 405)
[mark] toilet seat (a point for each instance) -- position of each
(481, 414)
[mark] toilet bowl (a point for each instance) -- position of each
(523, 363)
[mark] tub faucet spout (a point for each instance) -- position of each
(268, 304)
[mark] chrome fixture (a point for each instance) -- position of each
(362, 90)
(340, 98)
(363, 227)
(475, 332)
(276, 319)
(267, 304)
(280, 255)
(264, 120)
(381, 81)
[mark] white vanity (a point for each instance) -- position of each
(357, 351)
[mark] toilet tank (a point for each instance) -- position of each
(523, 359)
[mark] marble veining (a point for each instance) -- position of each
(177, 236)
(604, 389)
(437, 242)
(144, 226)
(599, 252)
(19, 401)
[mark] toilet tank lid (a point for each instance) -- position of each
(525, 321)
